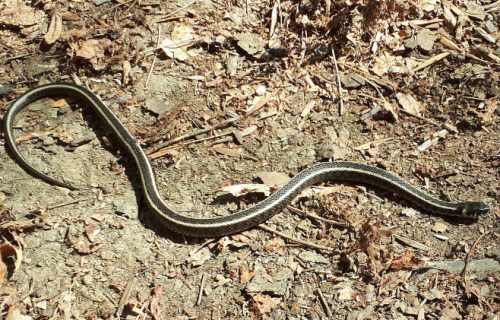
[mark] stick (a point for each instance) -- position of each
(202, 286)
(125, 297)
(193, 134)
(304, 242)
(469, 254)
(154, 58)
(316, 217)
(175, 11)
(325, 305)
(67, 203)
(341, 99)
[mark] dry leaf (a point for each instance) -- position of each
(390, 110)
(17, 13)
(347, 293)
(264, 304)
(59, 103)
(257, 103)
(235, 153)
(11, 258)
(274, 17)
(92, 50)
(177, 46)
(392, 280)
(199, 257)
(79, 244)
(275, 179)
(490, 106)
(3, 273)
(15, 314)
(274, 244)
(405, 261)
(156, 305)
(70, 16)
(171, 153)
(409, 104)
(91, 231)
(239, 190)
(245, 275)
(55, 29)
(439, 227)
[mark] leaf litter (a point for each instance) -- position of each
(415, 82)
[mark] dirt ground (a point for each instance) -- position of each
(225, 93)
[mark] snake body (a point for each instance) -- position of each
(218, 226)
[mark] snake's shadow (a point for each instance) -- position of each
(145, 215)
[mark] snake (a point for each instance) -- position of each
(342, 171)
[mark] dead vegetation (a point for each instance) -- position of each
(230, 99)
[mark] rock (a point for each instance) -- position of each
(157, 105)
(425, 40)
(311, 256)
(440, 227)
(232, 65)
(275, 283)
(352, 81)
(276, 179)
(5, 89)
(252, 44)
(481, 269)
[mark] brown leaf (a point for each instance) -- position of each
(59, 103)
(239, 190)
(245, 275)
(156, 305)
(70, 16)
(409, 104)
(392, 280)
(16, 12)
(235, 153)
(405, 261)
(264, 304)
(388, 107)
(91, 231)
(274, 244)
(55, 29)
(11, 260)
(92, 50)
(80, 245)
(275, 179)
(490, 106)
(257, 103)
(3, 273)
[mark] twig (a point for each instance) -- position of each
(341, 98)
(316, 217)
(304, 242)
(162, 152)
(324, 303)
(16, 57)
(175, 11)
(469, 254)
(154, 57)
(419, 117)
(118, 5)
(202, 287)
(59, 205)
(412, 243)
(430, 61)
(125, 297)
(193, 134)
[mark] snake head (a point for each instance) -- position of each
(473, 209)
